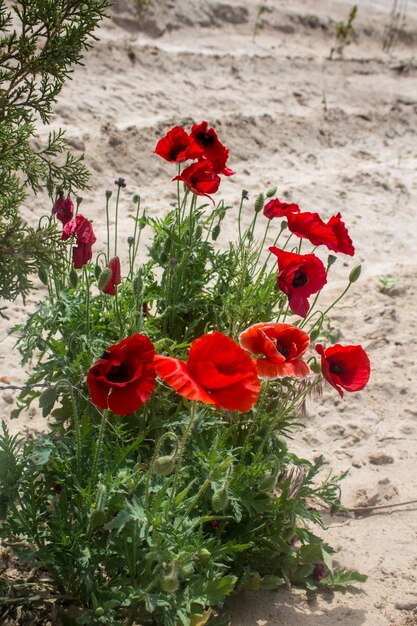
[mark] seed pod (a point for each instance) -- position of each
(284, 225)
(136, 198)
(163, 465)
(331, 259)
(170, 583)
(245, 194)
(259, 202)
(108, 193)
(220, 499)
(355, 273)
(73, 278)
(271, 192)
(215, 232)
(104, 278)
(198, 232)
(78, 200)
(99, 611)
(43, 275)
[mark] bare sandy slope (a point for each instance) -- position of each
(334, 136)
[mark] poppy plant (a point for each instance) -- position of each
(115, 277)
(124, 377)
(299, 276)
(200, 178)
(217, 371)
(281, 347)
(333, 235)
(177, 146)
(276, 208)
(63, 208)
(345, 367)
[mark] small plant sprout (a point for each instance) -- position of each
(345, 33)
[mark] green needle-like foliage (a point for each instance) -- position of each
(40, 42)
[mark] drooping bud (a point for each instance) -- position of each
(43, 275)
(259, 202)
(163, 465)
(314, 334)
(355, 273)
(170, 583)
(220, 499)
(73, 278)
(271, 192)
(104, 278)
(198, 232)
(97, 271)
(215, 232)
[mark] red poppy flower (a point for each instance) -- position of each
(115, 278)
(200, 178)
(281, 346)
(82, 228)
(299, 276)
(124, 377)
(346, 367)
(212, 148)
(276, 208)
(344, 242)
(63, 208)
(177, 146)
(333, 235)
(217, 372)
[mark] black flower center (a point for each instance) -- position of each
(118, 374)
(300, 279)
(335, 367)
(175, 151)
(284, 350)
(205, 139)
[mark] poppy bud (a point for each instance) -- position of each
(130, 241)
(355, 273)
(215, 232)
(198, 232)
(73, 278)
(331, 259)
(170, 583)
(314, 334)
(167, 245)
(271, 192)
(163, 465)
(259, 202)
(97, 271)
(43, 275)
(78, 200)
(136, 198)
(315, 366)
(104, 278)
(108, 193)
(284, 225)
(99, 611)
(204, 554)
(220, 499)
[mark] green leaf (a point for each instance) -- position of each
(217, 590)
(342, 578)
(271, 582)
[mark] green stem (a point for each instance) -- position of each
(116, 221)
(87, 300)
(323, 315)
(108, 229)
(77, 428)
(239, 219)
(182, 448)
(99, 447)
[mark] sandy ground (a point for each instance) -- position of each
(333, 136)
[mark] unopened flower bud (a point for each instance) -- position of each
(220, 499)
(355, 273)
(104, 278)
(331, 259)
(73, 278)
(130, 241)
(271, 192)
(204, 554)
(198, 232)
(167, 245)
(43, 275)
(108, 193)
(163, 465)
(97, 271)
(215, 232)
(314, 334)
(259, 202)
(284, 225)
(78, 200)
(315, 366)
(136, 198)
(170, 583)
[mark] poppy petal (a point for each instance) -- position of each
(176, 374)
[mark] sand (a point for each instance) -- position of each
(333, 136)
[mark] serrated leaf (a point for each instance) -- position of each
(217, 590)
(271, 582)
(343, 578)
